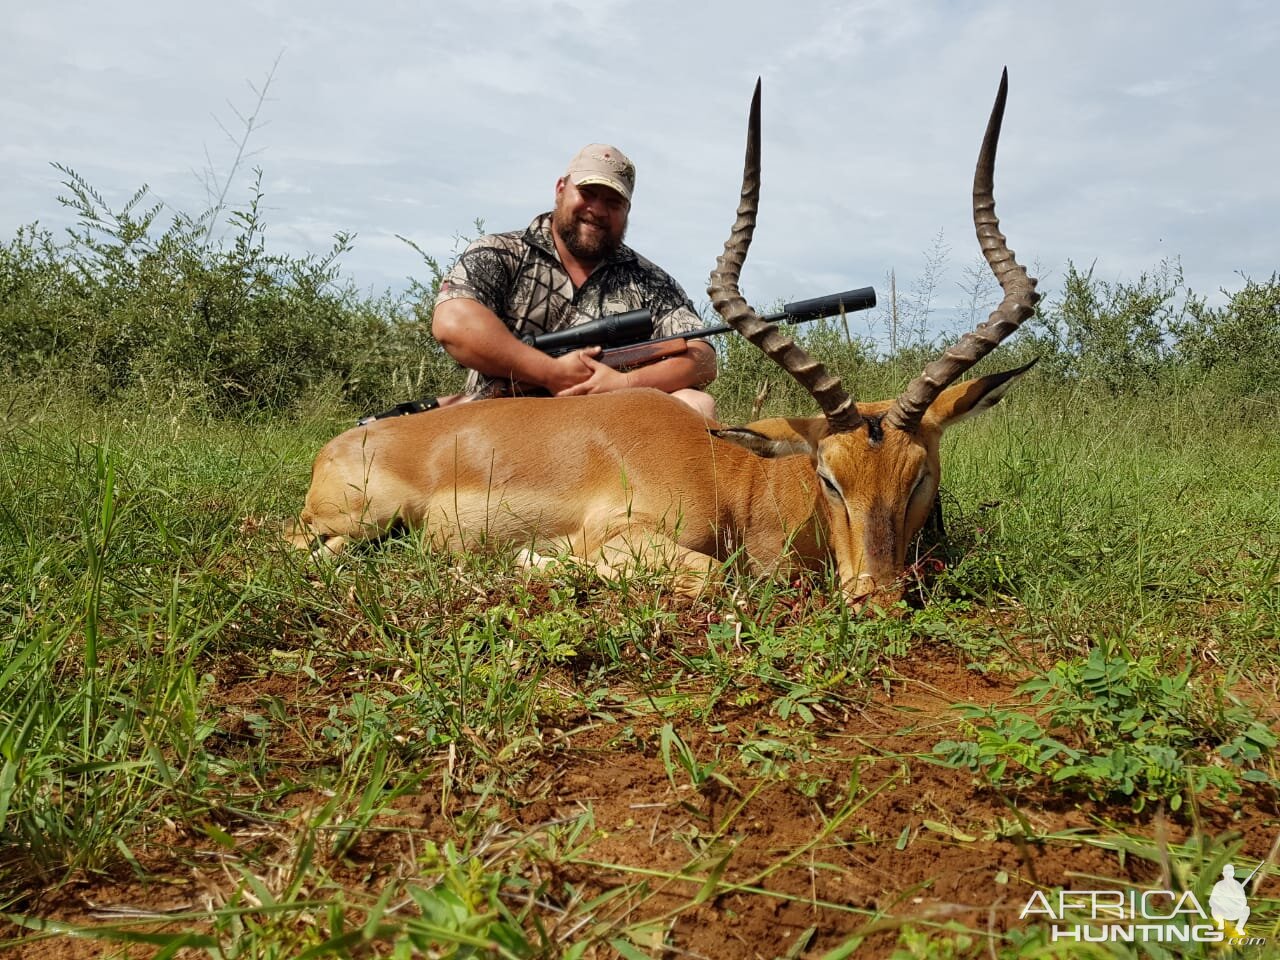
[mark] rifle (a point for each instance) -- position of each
(625, 338)
(627, 357)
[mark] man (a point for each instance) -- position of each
(568, 267)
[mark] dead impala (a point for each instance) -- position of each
(638, 477)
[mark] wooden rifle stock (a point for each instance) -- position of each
(642, 354)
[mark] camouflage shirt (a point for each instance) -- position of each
(519, 277)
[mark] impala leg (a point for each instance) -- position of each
(297, 534)
(533, 561)
(303, 536)
(325, 528)
(627, 554)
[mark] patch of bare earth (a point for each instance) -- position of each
(851, 831)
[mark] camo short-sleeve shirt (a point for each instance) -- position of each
(518, 276)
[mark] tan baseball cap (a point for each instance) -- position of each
(605, 165)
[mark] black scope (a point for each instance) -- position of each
(617, 330)
(851, 301)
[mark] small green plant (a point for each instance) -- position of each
(953, 942)
(1111, 726)
(678, 755)
(1153, 734)
(1005, 747)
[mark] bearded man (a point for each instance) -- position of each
(570, 266)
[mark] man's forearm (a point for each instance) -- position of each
(694, 368)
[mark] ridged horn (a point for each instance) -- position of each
(840, 409)
(1019, 290)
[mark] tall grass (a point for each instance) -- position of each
(172, 679)
(141, 575)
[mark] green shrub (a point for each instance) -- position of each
(1118, 336)
(121, 308)
(1238, 345)
(124, 308)
(1117, 726)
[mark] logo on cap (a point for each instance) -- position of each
(605, 165)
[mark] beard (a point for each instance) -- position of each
(587, 240)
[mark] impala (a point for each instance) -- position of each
(638, 477)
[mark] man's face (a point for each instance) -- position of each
(590, 220)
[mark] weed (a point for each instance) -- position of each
(677, 756)
(1113, 725)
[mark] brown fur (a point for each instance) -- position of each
(637, 475)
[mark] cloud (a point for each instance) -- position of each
(1135, 131)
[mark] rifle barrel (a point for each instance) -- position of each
(1251, 876)
(634, 328)
(802, 311)
(851, 301)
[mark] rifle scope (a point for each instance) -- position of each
(851, 301)
(618, 330)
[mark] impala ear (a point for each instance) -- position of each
(971, 397)
(764, 446)
(778, 436)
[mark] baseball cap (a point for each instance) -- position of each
(605, 165)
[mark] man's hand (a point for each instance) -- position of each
(690, 370)
(601, 378)
(569, 372)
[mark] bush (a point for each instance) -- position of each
(117, 310)
(122, 308)
(1238, 345)
(1118, 336)
(749, 380)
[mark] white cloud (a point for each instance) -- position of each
(1134, 132)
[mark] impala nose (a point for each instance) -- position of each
(858, 591)
(865, 590)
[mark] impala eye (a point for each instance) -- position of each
(917, 494)
(830, 485)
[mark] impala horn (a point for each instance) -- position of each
(1019, 290)
(840, 409)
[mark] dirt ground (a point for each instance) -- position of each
(857, 822)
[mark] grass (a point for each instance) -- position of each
(379, 757)
(1113, 516)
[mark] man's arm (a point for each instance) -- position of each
(693, 369)
(474, 336)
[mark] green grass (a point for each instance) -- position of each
(1133, 517)
(172, 679)
(229, 752)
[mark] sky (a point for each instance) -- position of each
(1136, 131)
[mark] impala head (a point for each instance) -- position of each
(877, 464)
